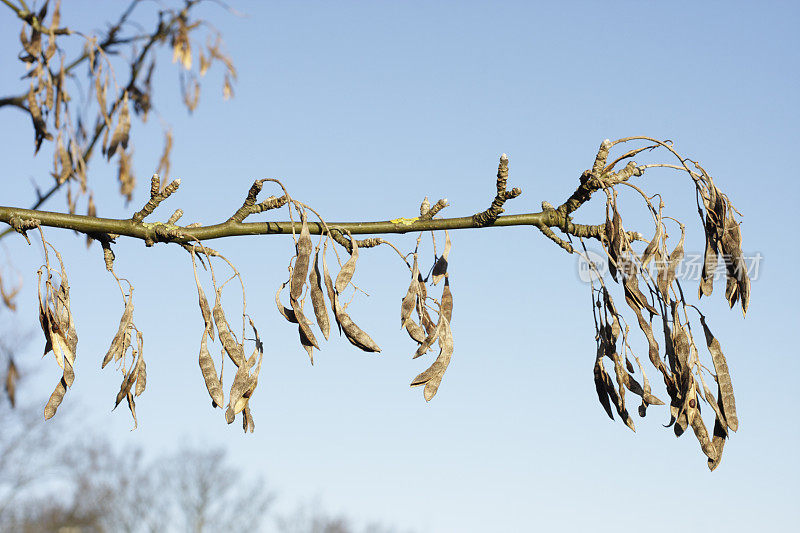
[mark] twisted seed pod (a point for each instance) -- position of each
(723, 378)
(300, 271)
(349, 268)
(667, 275)
(447, 300)
(116, 349)
(432, 377)
(440, 268)
(213, 382)
(409, 300)
(141, 367)
(55, 400)
(232, 348)
(317, 299)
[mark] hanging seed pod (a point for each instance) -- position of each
(723, 377)
(127, 382)
(213, 382)
(286, 312)
(300, 270)
(652, 246)
(432, 337)
(709, 260)
(238, 388)
(232, 348)
(355, 334)
(141, 367)
(666, 273)
(248, 424)
(718, 441)
(701, 433)
(307, 338)
(600, 379)
(349, 268)
(440, 268)
(432, 377)
(415, 331)
(116, 349)
(317, 298)
(713, 402)
(738, 282)
(205, 309)
(55, 399)
(409, 300)
(330, 288)
(447, 300)
(634, 296)
(122, 131)
(132, 408)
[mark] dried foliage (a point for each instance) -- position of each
(681, 367)
(58, 326)
(118, 88)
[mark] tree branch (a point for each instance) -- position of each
(160, 232)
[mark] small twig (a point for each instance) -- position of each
(156, 197)
(488, 217)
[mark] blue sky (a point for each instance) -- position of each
(364, 108)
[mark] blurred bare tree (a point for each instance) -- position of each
(48, 483)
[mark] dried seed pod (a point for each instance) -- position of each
(738, 285)
(244, 382)
(666, 273)
(415, 331)
(128, 380)
(240, 382)
(122, 131)
(634, 296)
(723, 378)
(718, 441)
(132, 408)
(248, 424)
(409, 300)
(701, 433)
(116, 349)
(715, 405)
(600, 379)
(349, 268)
(141, 367)
(205, 309)
(286, 312)
(317, 299)
(653, 245)
(440, 268)
(330, 288)
(55, 399)
(300, 270)
(447, 300)
(432, 377)
(232, 348)
(619, 401)
(709, 260)
(428, 341)
(213, 382)
(355, 334)
(11, 382)
(307, 338)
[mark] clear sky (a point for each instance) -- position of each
(363, 109)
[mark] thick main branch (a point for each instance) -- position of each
(180, 234)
